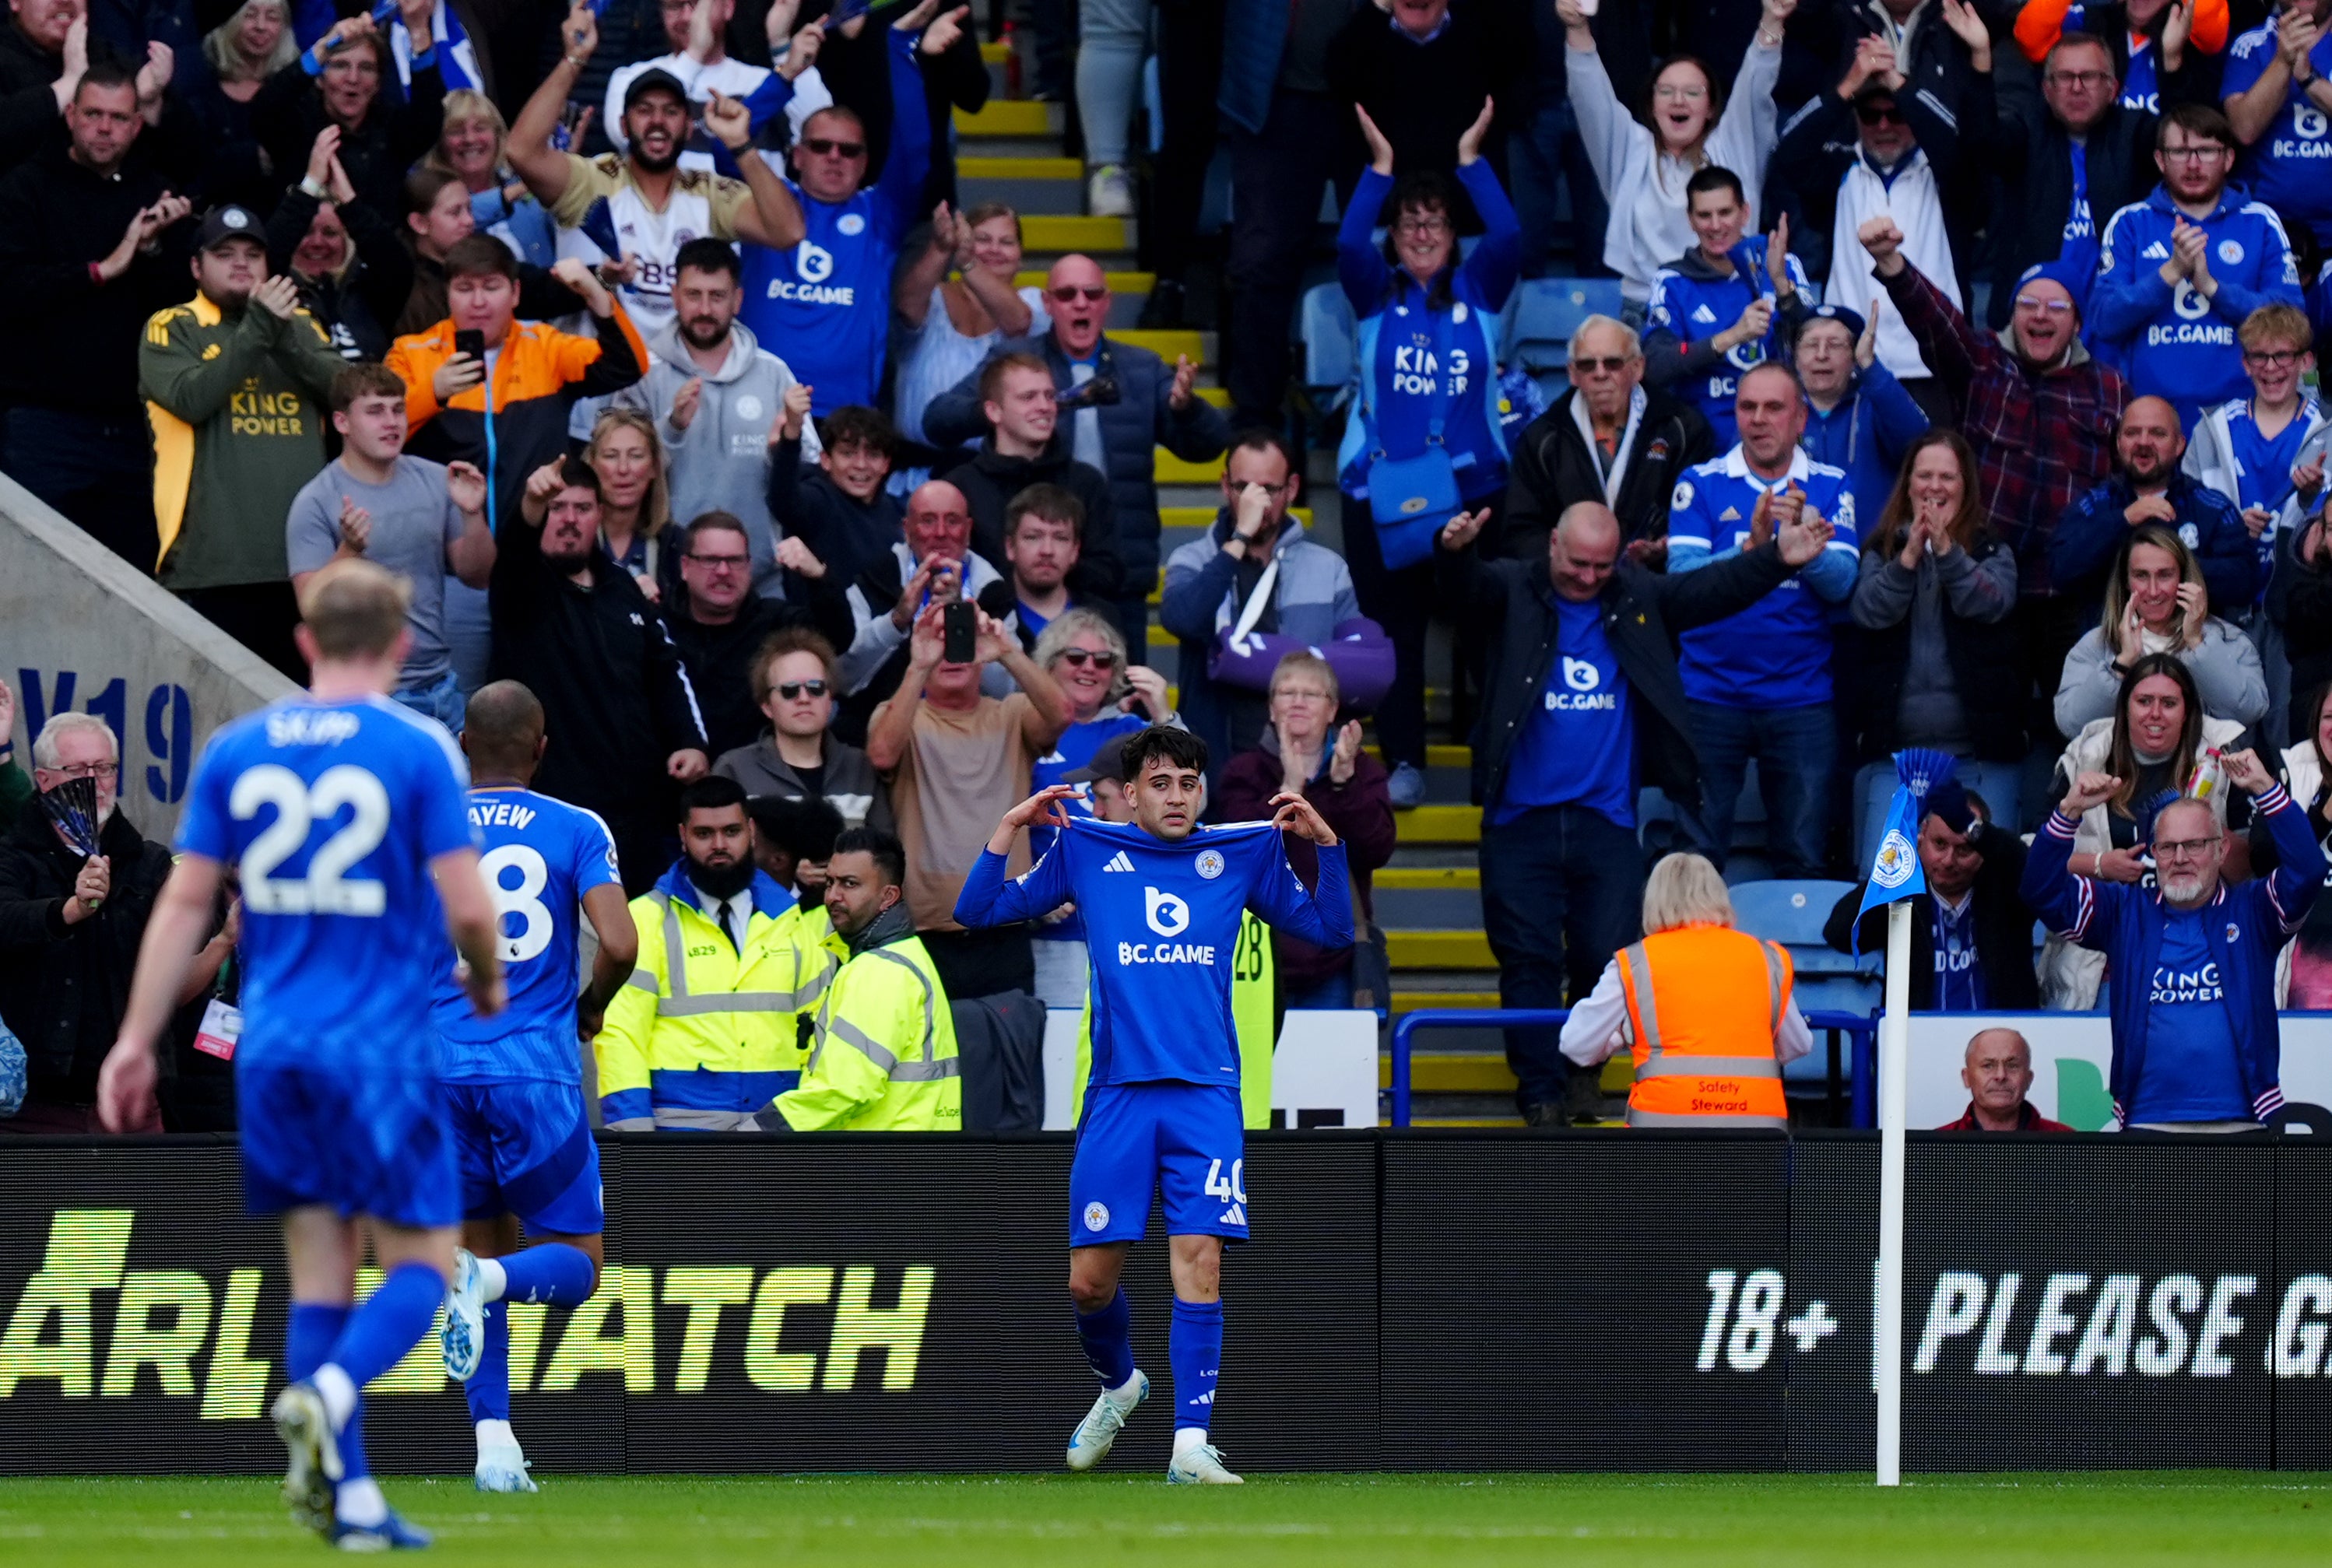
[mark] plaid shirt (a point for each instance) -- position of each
(2043, 436)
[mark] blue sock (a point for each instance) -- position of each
(554, 1273)
(1108, 1338)
(1195, 1344)
(487, 1391)
(309, 1336)
(390, 1323)
(353, 1467)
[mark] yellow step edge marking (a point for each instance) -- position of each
(1439, 825)
(1020, 168)
(1428, 877)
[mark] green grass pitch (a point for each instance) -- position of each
(1025, 1522)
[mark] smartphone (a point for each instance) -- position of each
(472, 342)
(960, 626)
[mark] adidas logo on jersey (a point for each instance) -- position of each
(2156, 252)
(1119, 862)
(1234, 1215)
(1704, 314)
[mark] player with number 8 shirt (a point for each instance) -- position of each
(1162, 899)
(344, 812)
(514, 1084)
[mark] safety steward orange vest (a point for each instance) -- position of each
(1705, 1005)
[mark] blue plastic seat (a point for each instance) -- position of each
(1546, 312)
(1331, 357)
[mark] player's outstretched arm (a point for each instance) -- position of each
(619, 951)
(988, 897)
(471, 922)
(174, 931)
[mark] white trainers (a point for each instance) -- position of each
(1098, 1433)
(464, 1337)
(1109, 192)
(503, 1468)
(313, 1457)
(1201, 1465)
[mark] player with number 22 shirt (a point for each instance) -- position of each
(1162, 899)
(341, 811)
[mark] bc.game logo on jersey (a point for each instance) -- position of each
(1169, 916)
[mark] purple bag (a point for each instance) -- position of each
(1359, 652)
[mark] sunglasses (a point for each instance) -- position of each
(1873, 114)
(1081, 657)
(1608, 364)
(790, 689)
(1070, 294)
(827, 147)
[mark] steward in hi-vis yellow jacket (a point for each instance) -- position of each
(885, 1058)
(707, 1032)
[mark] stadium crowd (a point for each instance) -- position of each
(1958, 392)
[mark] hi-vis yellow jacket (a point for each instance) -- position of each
(703, 1034)
(885, 1058)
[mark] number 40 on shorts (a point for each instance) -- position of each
(1233, 1191)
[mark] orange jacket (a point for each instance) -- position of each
(1704, 1010)
(2042, 22)
(538, 374)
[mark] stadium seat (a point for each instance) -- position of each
(1331, 359)
(1793, 913)
(1546, 312)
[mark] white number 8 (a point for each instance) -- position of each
(525, 901)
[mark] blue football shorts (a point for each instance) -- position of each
(354, 1142)
(1184, 1141)
(525, 1148)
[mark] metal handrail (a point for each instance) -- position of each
(1862, 1030)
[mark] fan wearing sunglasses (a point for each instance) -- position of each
(828, 300)
(1883, 142)
(797, 756)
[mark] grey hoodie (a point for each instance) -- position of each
(720, 462)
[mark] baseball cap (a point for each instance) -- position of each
(1850, 319)
(653, 80)
(221, 224)
(1108, 762)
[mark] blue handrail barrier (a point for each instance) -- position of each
(1862, 1032)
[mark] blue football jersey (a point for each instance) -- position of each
(1161, 924)
(541, 856)
(333, 811)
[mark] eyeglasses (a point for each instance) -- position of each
(1673, 92)
(2053, 307)
(1608, 364)
(1081, 657)
(1304, 694)
(1070, 293)
(2184, 849)
(2079, 78)
(1434, 225)
(827, 147)
(2271, 358)
(1873, 114)
(2201, 153)
(720, 563)
(790, 689)
(86, 770)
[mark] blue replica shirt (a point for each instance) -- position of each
(1162, 921)
(332, 812)
(1776, 652)
(2169, 340)
(1578, 747)
(2077, 251)
(2263, 469)
(1959, 972)
(1076, 749)
(2290, 167)
(826, 301)
(1431, 364)
(2190, 1073)
(541, 857)
(1692, 309)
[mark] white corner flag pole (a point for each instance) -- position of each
(1894, 1110)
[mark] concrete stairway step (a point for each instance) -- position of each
(1049, 235)
(1439, 825)
(1440, 950)
(1012, 116)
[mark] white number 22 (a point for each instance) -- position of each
(327, 889)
